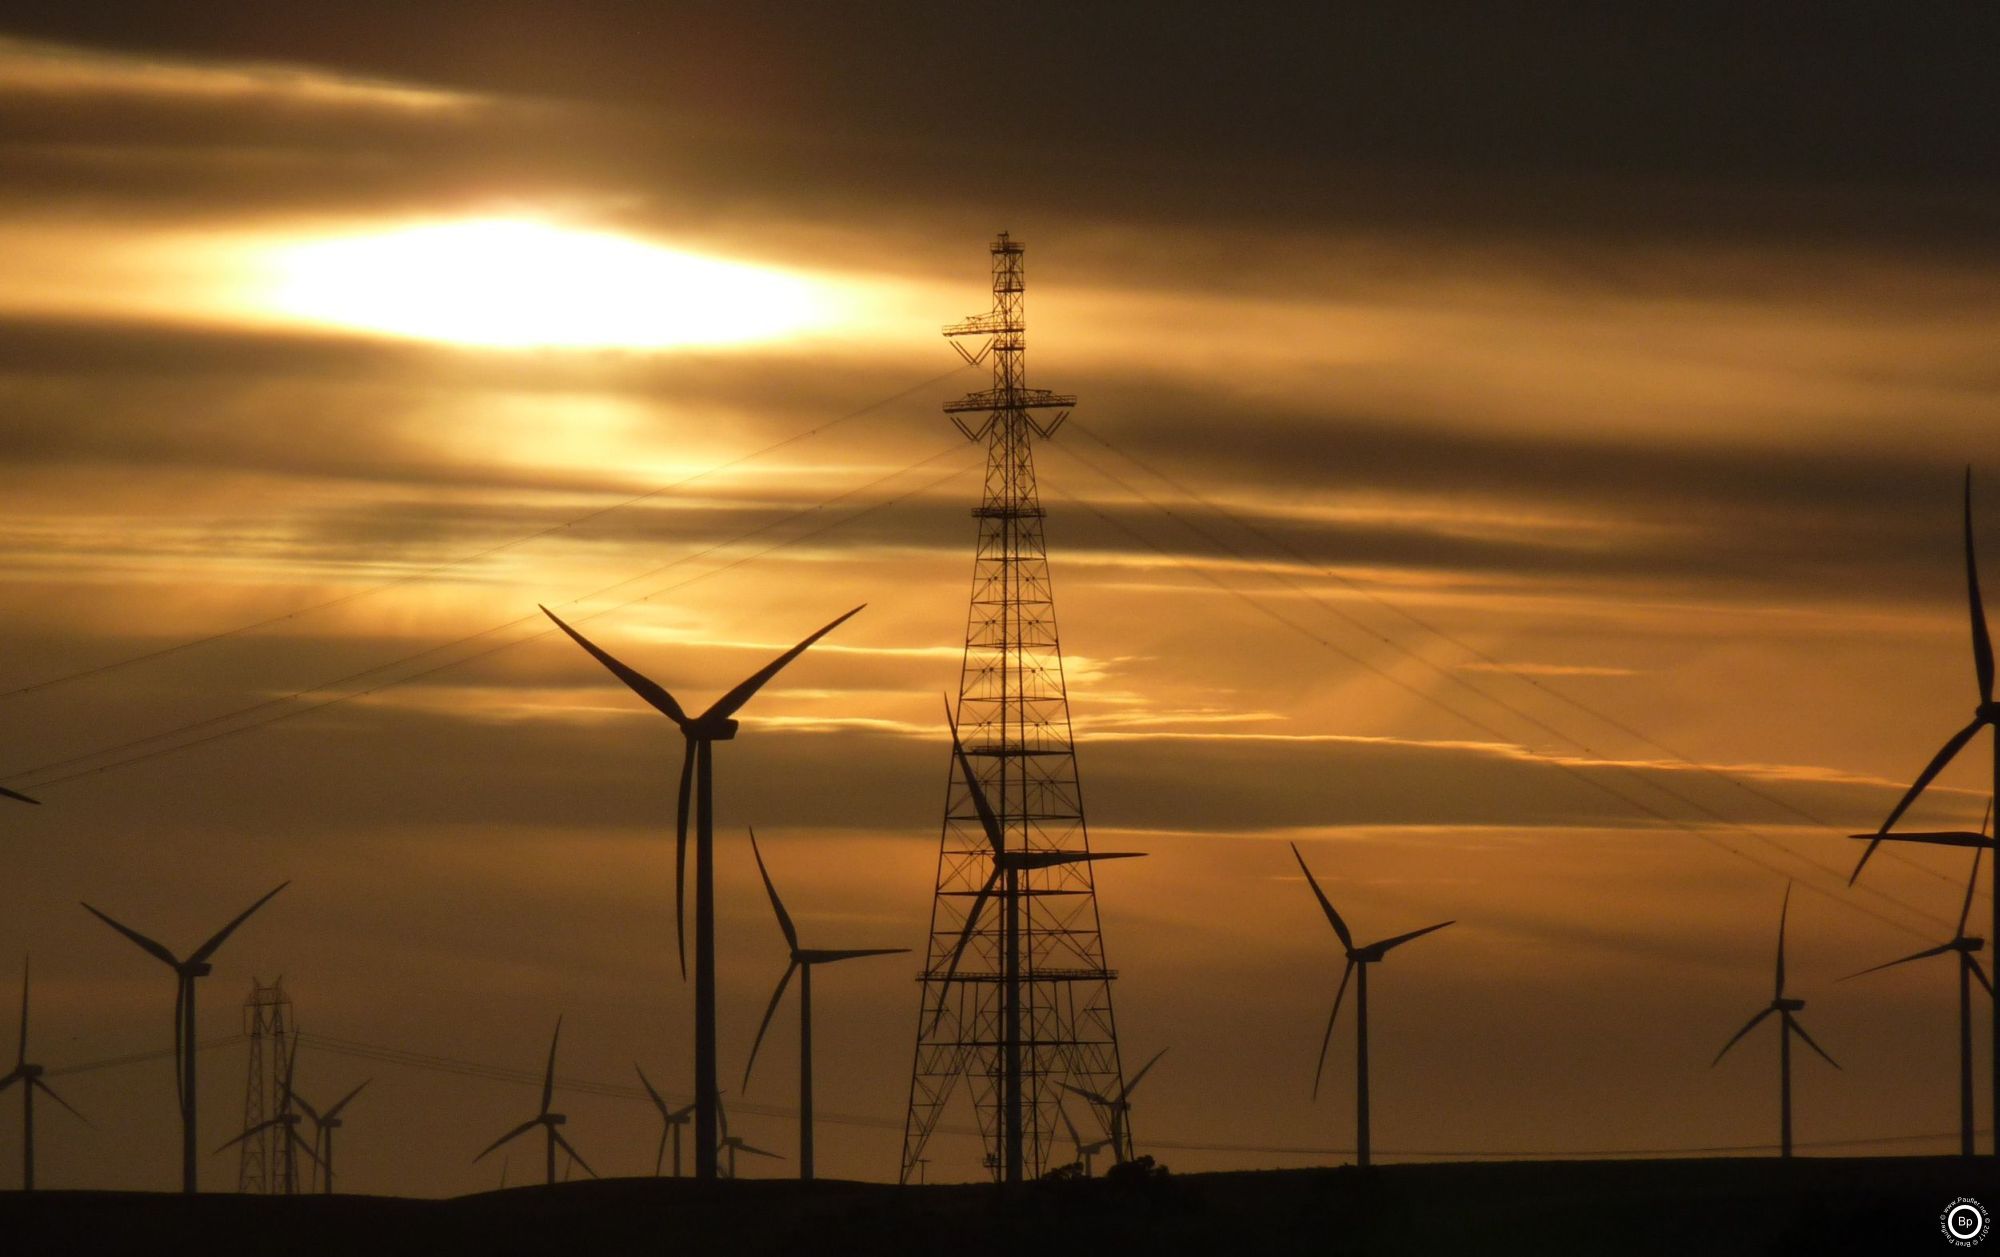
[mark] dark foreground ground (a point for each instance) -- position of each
(1708, 1208)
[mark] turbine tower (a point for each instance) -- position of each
(1018, 1001)
(1986, 714)
(267, 1019)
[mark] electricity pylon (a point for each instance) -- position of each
(1016, 998)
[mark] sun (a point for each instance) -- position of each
(524, 283)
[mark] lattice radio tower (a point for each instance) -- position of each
(1029, 1004)
(267, 1019)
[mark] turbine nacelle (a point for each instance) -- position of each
(711, 729)
(1788, 1005)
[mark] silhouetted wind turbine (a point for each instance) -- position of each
(1968, 969)
(1086, 1153)
(324, 1124)
(803, 960)
(1985, 714)
(284, 1120)
(546, 1120)
(732, 1144)
(1358, 960)
(697, 781)
(1788, 1026)
(30, 1078)
(1118, 1109)
(186, 972)
(673, 1120)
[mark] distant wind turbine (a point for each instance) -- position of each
(673, 1119)
(324, 1124)
(1086, 1153)
(697, 784)
(1788, 1026)
(286, 1121)
(1987, 713)
(1968, 969)
(1358, 960)
(186, 973)
(30, 1078)
(802, 962)
(733, 1144)
(546, 1120)
(1117, 1109)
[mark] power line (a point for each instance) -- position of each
(1560, 765)
(587, 517)
(281, 709)
(1360, 590)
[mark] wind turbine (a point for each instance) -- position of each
(697, 782)
(287, 1121)
(673, 1118)
(30, 1077)
(186, 973)
(1968, 969)
(1118, 1109)
(732, 1144)
(1985, 714)
(803, 960)
(1008, 867)
(1358, 960)
(324, 1124)
(1086, 1153)
(1788, 1027)
(546, 1120)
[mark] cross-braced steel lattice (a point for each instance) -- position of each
(1028, 1006)
(267, 1019)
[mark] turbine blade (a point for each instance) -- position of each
(50, 1092)
(1073, 1136)
(1939, 950)
(965, 935)
(301, 1142)
(660, 1154)
(15, 1076)
(1982, 643)
(209, 948)
(335, 1110)
(549, 1077)
(1980, 973)
(765, 1024)
(1748, 1026)
(827, 957)
(728, 704)
(564, 1144)
(777, 904)
(515, 1133)
(1125, 1093)
(681, 855)
(1091, 1096)
(1326, 906)
(1964, 913)
(1782, 911)
(16, 794)
(645, 687)
(647, 1083)
(148, 945)
(309, 1110)
(1400, 939)
(266, 1124)
(1326, 1041)
(1932, 769)
(1792, 1023)
(995, 838)
(756, 1151)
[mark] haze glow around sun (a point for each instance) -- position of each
(526, 283)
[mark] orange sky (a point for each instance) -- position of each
(1478, 502)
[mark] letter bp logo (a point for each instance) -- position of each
(1965, 1222)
